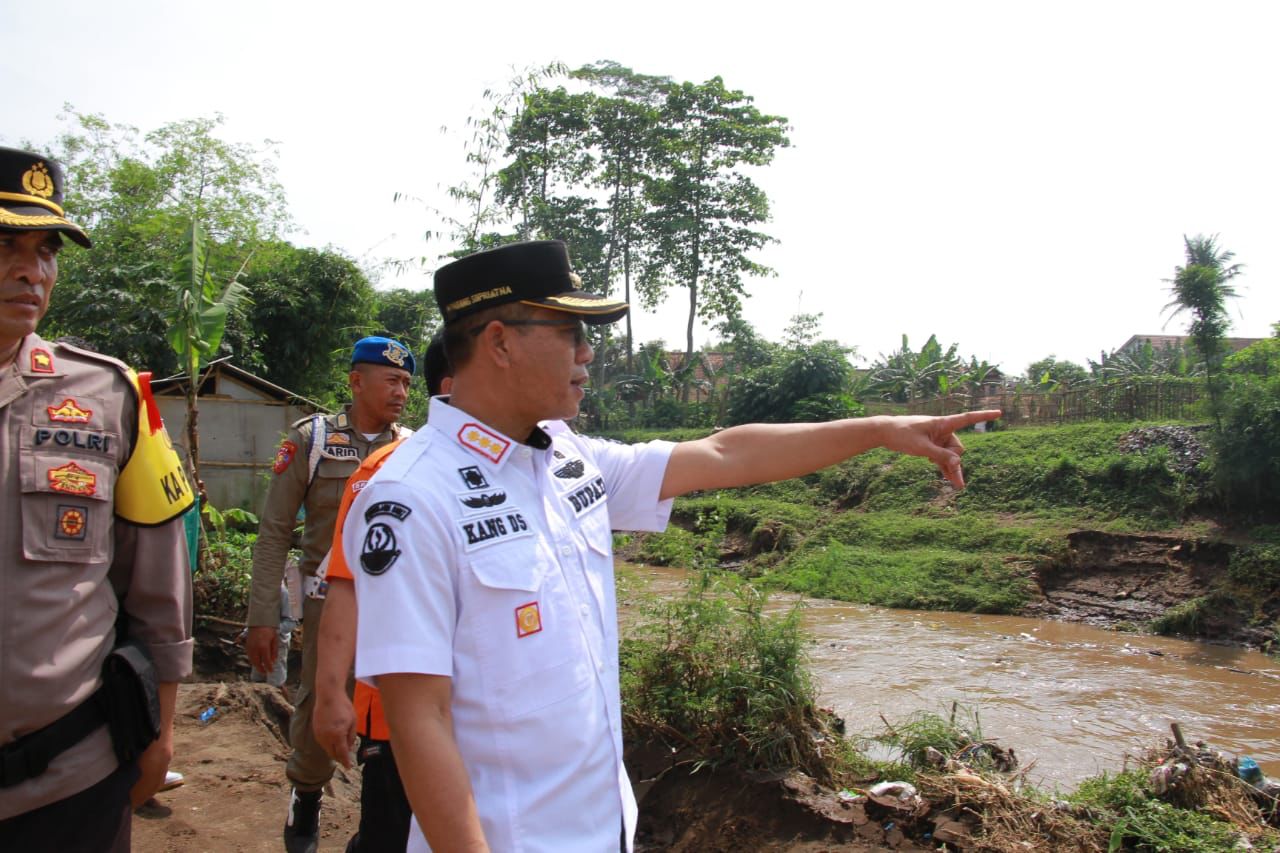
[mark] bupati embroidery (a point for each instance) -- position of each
(74, 438)
(379, 551)
(398, 511)
(284, 456)
(72, 522)
(486, 531)
(41, 361)
(473, 477)
(477, 501)
(571, 470)
(586, 497)
(488, 444)
(528, 619)
(69, 412)
(71, 479)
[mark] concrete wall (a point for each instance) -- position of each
(239, 434)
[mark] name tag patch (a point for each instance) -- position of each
(582, 499)
(74, 438)
(477, 502)
(380, 549)
(340, 451)
(483, 532)
(528, 620)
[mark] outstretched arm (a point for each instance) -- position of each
(763, 453)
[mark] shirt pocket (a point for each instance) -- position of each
(66, 508)
(525, 631)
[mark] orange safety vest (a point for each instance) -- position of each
(370, 721)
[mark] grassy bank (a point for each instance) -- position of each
(885, 529)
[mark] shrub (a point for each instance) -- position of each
(712, 675)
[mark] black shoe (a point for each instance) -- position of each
(302, 828)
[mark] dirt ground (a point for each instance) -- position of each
(235, 794)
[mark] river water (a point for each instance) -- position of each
(1071, 698)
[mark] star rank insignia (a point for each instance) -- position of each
(488, 444)
(41, 361)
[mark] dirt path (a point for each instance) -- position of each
(235, 795)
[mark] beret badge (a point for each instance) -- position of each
(395, 354)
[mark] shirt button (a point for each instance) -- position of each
(567, 550)
(584, 609)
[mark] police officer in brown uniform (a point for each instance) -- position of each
(311, 468)
(95, 586)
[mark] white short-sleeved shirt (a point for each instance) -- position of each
(516, 606)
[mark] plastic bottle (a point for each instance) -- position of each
(208, 714)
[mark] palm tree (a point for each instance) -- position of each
(1201, 288)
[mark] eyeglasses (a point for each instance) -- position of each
(579, 327)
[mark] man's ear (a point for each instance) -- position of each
(355, 380)
(494, 343)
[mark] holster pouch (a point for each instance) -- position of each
(131, 699)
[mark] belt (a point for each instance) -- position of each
(29, 756)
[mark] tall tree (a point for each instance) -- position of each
(1201, 288)
(624, 122)
(704, 208)
(138, 196)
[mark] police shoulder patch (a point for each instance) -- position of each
(380, 549)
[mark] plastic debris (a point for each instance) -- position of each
(208, 714)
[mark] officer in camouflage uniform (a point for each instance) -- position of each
(311, 468)
(92, 553)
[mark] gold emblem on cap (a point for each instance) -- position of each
(37, 181)
(394, 354)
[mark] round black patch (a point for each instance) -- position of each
(379, 550)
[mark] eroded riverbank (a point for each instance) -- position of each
(1073, 698)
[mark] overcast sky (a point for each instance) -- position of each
(1015, 176)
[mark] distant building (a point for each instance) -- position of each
(1160, 342)
(242, 419)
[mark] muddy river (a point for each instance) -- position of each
(1073, 699)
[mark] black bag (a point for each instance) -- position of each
(130, 699)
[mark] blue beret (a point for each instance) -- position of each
(379, 350)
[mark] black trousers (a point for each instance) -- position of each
(96, 820)
(384, 807)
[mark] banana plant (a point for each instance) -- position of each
(198, 320)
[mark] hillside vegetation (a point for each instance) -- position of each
(887, 530)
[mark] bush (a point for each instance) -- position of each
(221, 588)
(712, 675)
(1246, 451)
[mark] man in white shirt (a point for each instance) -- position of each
(484, 548)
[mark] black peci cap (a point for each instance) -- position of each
(535, 273)
(31, 192)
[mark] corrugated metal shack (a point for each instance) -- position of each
(243, 418)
